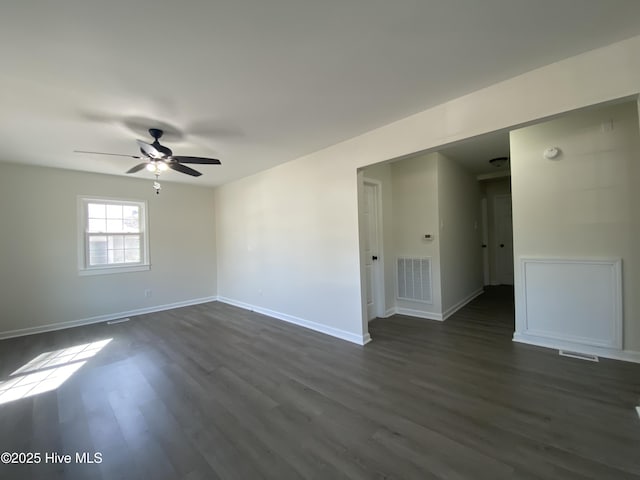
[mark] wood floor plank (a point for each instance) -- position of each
(213, 391)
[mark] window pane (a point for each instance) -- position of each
(114, 225)
(131, 255)
(97, 250)
(132, 241)
(114, 211)
(131, 226)
(116, 256)
(98, 245)
(131, 216)
(96, 225)
(116, 242)
(96, 210)
(97, 260)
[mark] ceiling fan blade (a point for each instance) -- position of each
(138, 167)
(112, 154)
(149, 150)
(200, 160)
(183, 169)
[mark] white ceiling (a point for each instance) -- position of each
(257, 83)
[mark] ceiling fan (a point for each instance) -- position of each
(158, 158)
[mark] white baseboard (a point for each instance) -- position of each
(102, 318)
(318, 327)
(410, 312)
(451, 310)
(624, 355)
(389, 312)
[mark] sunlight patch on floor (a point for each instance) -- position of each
(47, 371)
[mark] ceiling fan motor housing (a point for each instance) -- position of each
(155, 133)
(165, 152)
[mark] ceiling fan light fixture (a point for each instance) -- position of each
(157, 166)
(157, 159)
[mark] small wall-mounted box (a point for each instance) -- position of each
(428, 236)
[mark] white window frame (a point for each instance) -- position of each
(83, 237)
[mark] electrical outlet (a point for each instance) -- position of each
(147, 293)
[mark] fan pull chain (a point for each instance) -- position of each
(156, 185)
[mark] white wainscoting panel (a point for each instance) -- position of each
(574, 300)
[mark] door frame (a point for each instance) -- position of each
(378, 266)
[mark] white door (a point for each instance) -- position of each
(372, 254)
(503, 239)
(485, 242)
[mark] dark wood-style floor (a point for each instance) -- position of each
(213, 391)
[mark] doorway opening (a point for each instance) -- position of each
(436, 209)
(575, 179)
(497, 232)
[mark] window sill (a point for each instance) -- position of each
(114, 269)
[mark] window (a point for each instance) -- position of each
(113, 236)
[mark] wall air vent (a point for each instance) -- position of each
(414, 279)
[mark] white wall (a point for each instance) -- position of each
(288, 246)
(585, 203)
(415, 213)
(309, 205)
(460, 235)
(38, 260)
